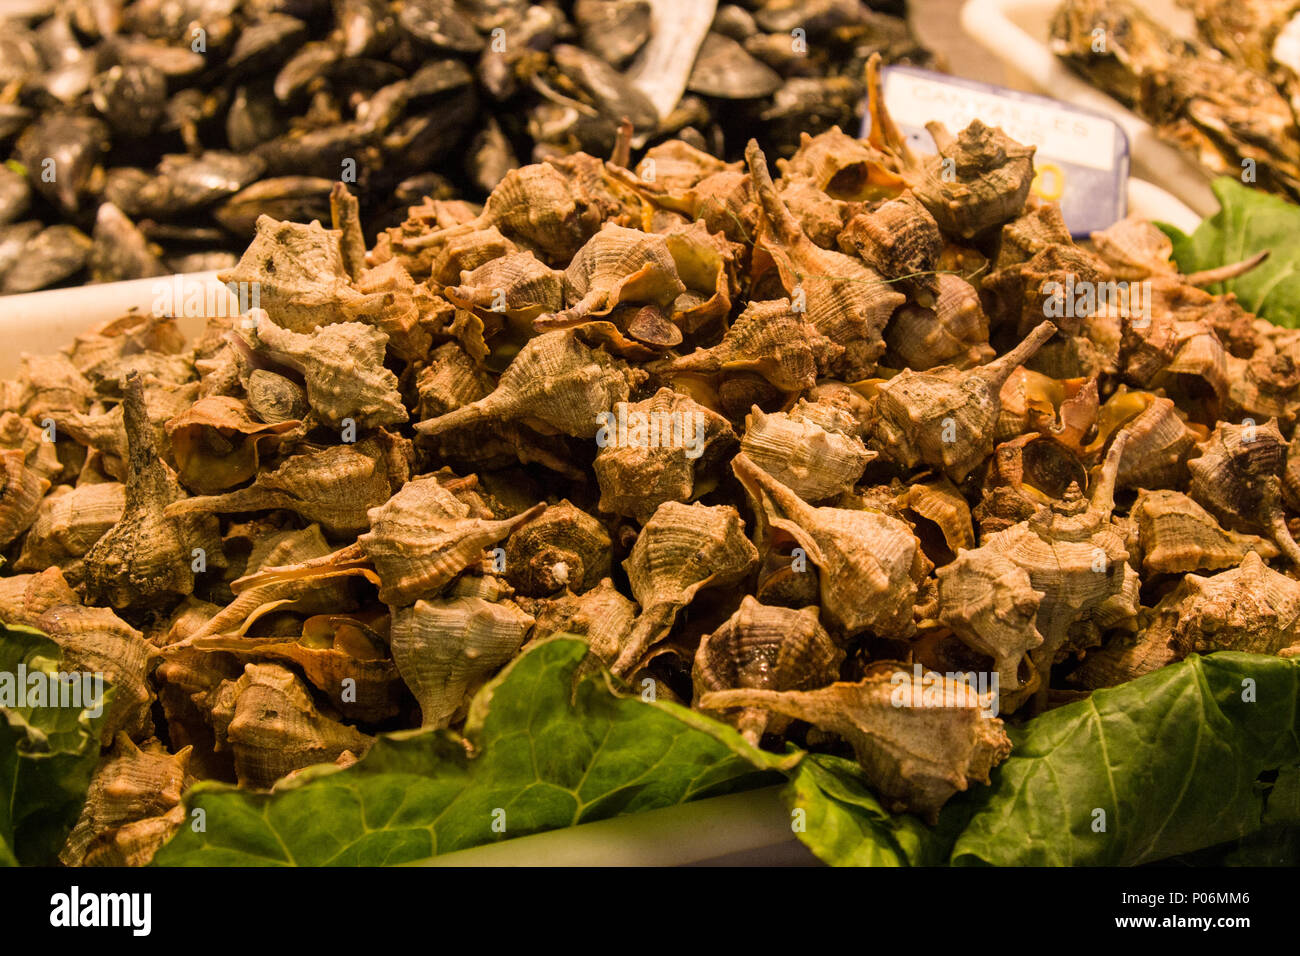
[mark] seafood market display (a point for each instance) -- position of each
(145, 137)
(1227, 96)
(806, 445)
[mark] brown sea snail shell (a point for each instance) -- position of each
(564, 547)
(446, 649)
(916, 757)
(773, 648)
(268, 720)
(1237, 479)
(945, 418)
(868, 564)
(680, 550)
(554, 379)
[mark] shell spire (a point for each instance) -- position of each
(782, 222)
(999, 370)
(1102, 499)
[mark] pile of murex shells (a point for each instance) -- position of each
(768, 445)
(172, 124)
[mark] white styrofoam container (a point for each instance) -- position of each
(737, 829)
(38, 322)
(1017, 33)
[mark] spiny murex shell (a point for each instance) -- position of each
(814, 462)
(342, 366)
(556, 380)
(916, 755)
(868, 564)
(147, 557)
(681, 549)
(445, 650)
(661, 449)
(946, 417)
(268, 719)
(132, 784)
(773, 648)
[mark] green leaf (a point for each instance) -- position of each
(845, 825)
(1173, 759)
(47, 756)
(1277, 843)
(1283, 807)
(545, 755)
(1248, 222)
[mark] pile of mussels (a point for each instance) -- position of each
(777, 449)
(146, 136)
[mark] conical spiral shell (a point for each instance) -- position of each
(945, 418)
(518, 286)
(562, 548)
(334, 487)
(990, 180)
(147, 557)
(868, 563)
(681, 549)
(342, 366)
(916, 755)
(69, 522)
(813, 462)
(616, 265)
(768, 338)
(845, 300)
(21, 490)
(990, 604)
(132, 784)
(772, 648)
(665, 448)
(554, 379)
(268, 719)
(1176, 535)
(95, 641)
(445, 650)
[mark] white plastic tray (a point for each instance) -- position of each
(1017, 33)
(39, 322)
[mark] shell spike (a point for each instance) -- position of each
(884, 135)
(782, 221)
(1281, 534)
(1000, 369)
(757, 480)
(1225, 272)
(457, 418)
(1103, 495)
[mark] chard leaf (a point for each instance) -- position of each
(845, 825)
(1277, 843)
(1283, 806)
(1173, 759)
(47, 756)
(1248, 222)
(541, 760)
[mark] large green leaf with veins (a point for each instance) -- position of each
(1163, 765)
(844, 824)
(1193, 756)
